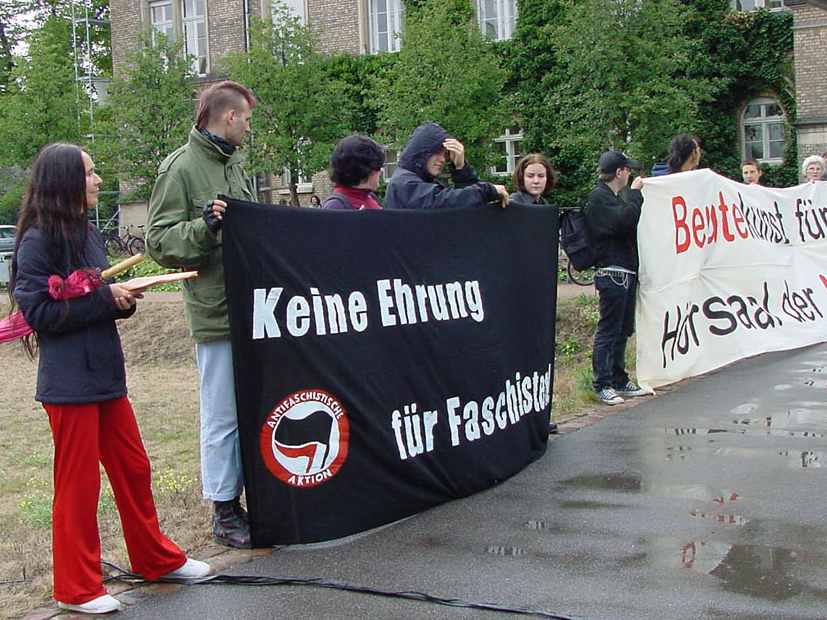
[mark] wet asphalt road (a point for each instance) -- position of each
(707, 502)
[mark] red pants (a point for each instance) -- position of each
(105, 432)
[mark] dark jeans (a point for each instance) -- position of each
(616, 324)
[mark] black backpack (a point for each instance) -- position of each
(574, 239)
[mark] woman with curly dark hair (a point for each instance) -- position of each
(355, 168)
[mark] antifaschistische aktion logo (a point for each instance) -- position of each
(304, 439)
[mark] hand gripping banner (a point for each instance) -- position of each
(385, 361)
(727, 271)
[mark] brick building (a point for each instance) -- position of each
(810, 32)
(210, 29)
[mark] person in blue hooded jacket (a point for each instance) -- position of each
(414, 184)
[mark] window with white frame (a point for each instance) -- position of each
(509, 150)
(385, 25)
(303, 184)
(391, 162)
(763, 127)
(497, 18)
(160, 16)
(194, 21)
(754, 5)
(296, 8)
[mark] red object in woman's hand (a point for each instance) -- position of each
(78, 283)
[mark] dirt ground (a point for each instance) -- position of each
(163, 386)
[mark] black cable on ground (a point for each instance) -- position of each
(318, 582)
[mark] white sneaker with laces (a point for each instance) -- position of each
(608, 396)
(631, 390)
(101, 605)
(192, 569)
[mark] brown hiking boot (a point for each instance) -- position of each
(229, 528)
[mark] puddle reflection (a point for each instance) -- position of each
(614, 481)
(537, 525)
(719, 517)
(765, 572)
(795, 459)
(505, 551)
(765, 423)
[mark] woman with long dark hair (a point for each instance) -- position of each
(685, 153)
(81, 383)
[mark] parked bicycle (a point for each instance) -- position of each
(128, 244)
(582, 278)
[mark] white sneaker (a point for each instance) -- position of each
(192, 569)
(631, 390)
(101, 605)
(608, 396)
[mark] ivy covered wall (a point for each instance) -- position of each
(668, 67)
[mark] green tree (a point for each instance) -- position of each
(11, 33)
(147, 115)
(446, 72)
(301, 110)
(616, 74)
(42, 103)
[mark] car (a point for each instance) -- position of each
(7, 234)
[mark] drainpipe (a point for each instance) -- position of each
(246, 8)
(246, 5)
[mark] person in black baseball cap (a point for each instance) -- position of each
(611, 161)
(611, 222)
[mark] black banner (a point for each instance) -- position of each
(386, 361)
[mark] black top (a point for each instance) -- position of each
(612, 225)
(524, 198)
(81, 360)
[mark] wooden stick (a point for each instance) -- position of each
(122, 266)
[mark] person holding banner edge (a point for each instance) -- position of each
(534, 177)
(414, 183)
(685, 153)
(612, 226)
(81, 383)
(184, 231)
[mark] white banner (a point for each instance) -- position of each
(727, 271)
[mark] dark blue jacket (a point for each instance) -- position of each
(81, 360)
(411, 187)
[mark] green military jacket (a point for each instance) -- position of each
(177, 235)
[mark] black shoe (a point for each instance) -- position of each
(239, 510)
(552, 428)
(228, 527)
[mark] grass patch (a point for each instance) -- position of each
(146, 267)
(576, 323)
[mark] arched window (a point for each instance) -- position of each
(763, 131)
